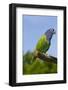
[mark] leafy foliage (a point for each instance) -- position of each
(37, 66)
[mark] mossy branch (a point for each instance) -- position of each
(47, 58)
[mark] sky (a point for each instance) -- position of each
(34, 27)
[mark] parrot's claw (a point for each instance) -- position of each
(46, 54)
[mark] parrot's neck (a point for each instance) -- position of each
(49, 36)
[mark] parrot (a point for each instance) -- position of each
(44, 42)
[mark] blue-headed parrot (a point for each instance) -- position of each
(44, 42)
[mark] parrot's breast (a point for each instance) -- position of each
(43, 44)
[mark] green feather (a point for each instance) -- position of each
(43, 44)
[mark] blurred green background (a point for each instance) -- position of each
(36, 66)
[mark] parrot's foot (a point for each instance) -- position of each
(46, 54)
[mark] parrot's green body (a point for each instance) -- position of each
(43, 44)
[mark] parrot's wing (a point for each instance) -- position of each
(43, 44)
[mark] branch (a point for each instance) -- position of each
(47, 58)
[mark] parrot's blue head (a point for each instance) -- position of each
(49, 33)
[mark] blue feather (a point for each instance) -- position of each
(49, 33)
